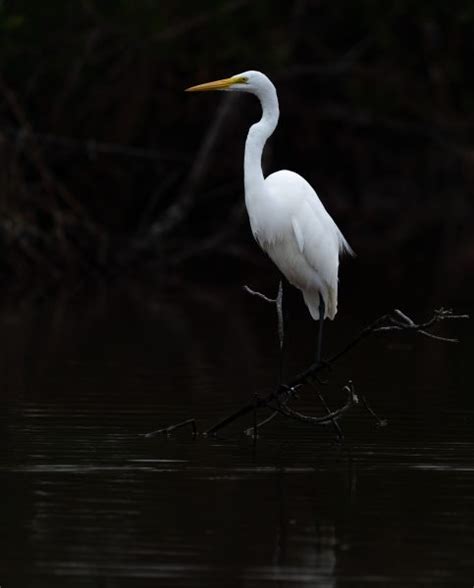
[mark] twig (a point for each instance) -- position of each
(380, 422)
(394, 321)
(171, 428)
(401, 321)
(260, 295)
(327, 418)
(251, 430)
(278, 302)
(336, 425)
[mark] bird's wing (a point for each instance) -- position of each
(317, 239)
(303, 240)
(298, 233)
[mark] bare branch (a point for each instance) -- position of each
(394, 321)
(260, 295)
(168, 430)
(329, 418)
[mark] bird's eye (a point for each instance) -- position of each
(243, 80)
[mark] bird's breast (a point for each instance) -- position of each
(270, 219)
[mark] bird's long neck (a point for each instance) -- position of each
(257, 137)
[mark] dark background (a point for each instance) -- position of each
(124, 244)
(111, 172)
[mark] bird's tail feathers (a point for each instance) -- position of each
(344, 246)
(311, 299)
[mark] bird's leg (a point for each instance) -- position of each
(282, 319)
(281, 314)
(322, 312)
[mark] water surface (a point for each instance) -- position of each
(87, 501)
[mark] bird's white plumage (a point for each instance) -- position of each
(291, 224)
(287, 218)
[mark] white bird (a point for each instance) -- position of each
(287, 218)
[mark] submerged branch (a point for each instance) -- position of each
(330, 417)
(278, 400)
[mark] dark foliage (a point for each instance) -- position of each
(108, 165)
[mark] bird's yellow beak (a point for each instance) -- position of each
(218, 84)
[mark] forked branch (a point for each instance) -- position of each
(278, 400)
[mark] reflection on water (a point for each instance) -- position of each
(86, 501)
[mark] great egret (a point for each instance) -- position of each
(287, 218)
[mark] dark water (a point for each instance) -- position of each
(86, 501)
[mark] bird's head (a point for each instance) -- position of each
(253, 82)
